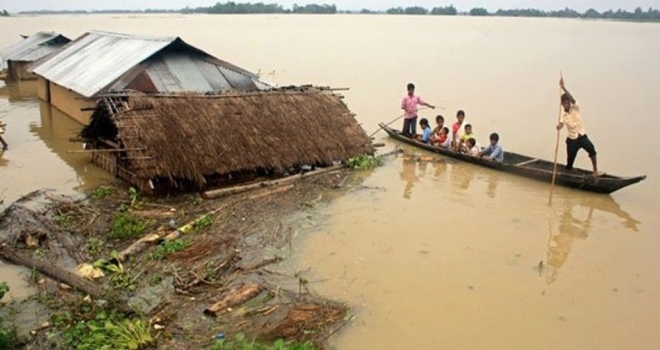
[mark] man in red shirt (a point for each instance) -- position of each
(409, 106)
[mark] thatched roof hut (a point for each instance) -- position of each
(201, 139)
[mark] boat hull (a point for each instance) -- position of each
(532, 168)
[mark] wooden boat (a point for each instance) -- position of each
(533, 168)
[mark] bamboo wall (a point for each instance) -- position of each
(71, 103)
(43, 89)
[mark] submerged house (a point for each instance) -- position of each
(192, 141)
(97, 63)
(16, 58)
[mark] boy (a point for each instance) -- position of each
(466, 135)
(425, 137)
(473, 147)
(494, 151)
(409, 105)
(577, 135)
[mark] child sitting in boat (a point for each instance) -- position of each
(456, 129)
(468, 134)
(442, 139)
(472, 147)
(425, 137)
(440, 123)
(494, 151)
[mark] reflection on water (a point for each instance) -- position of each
(575, 225)
(17, 91)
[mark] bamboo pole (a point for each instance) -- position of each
(236, 296)
(104, 150)
(554, 166)
(239, 189)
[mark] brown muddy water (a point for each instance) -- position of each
(439, 254)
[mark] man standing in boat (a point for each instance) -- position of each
(409, 106)
(577, 136)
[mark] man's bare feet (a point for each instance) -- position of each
(598, 173)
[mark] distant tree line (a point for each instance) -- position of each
(637, 15)
(255, 8)
(260, 7)
(4, 13)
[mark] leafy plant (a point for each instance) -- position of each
(205, 221)
(103, 331)
(364, 162)
(4, 288)
(95, 245)
(126, 226)
(102, 192)
(63, 219)
(168, 247)
(240, 342)
(7, 336)
(133, 196)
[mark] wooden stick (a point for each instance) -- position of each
(104, 150)
(236, 296)
(238, 189)
(554, 166)
(393, 120)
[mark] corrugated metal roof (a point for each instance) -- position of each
(90, 63)
(34, 47)
(100, 61)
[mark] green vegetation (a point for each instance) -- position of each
(478, 11)
(126, 226)
(447, 11)
(258, 8)
(168, 247)
(63, 219)
(95, 245)
(133, 196)
(97, 329)
(364, 162)
(4, 13)
(241, 343)
(231, 7)
(7, 336)
(205, 221)
(103, 192)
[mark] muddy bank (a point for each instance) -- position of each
(190, 270)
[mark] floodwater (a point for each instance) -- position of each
(441, 254)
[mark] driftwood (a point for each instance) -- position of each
(138, 246)
(235, 296)
(239, 189)
(57, 273)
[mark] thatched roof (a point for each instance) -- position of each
(193, 136)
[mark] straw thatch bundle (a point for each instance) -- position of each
(193, 136)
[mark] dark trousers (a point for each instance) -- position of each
(409, 126)
(573, 146)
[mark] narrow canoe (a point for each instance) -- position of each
(532, 168)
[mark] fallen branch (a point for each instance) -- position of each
(58, 274)
(236, 296)
(239, 189)
(138, 246)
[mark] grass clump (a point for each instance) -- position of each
(364, 162)
(205, 221)
(240, 342)
(102, 192)
(168, 247)
(126, 226)
(7, 335)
